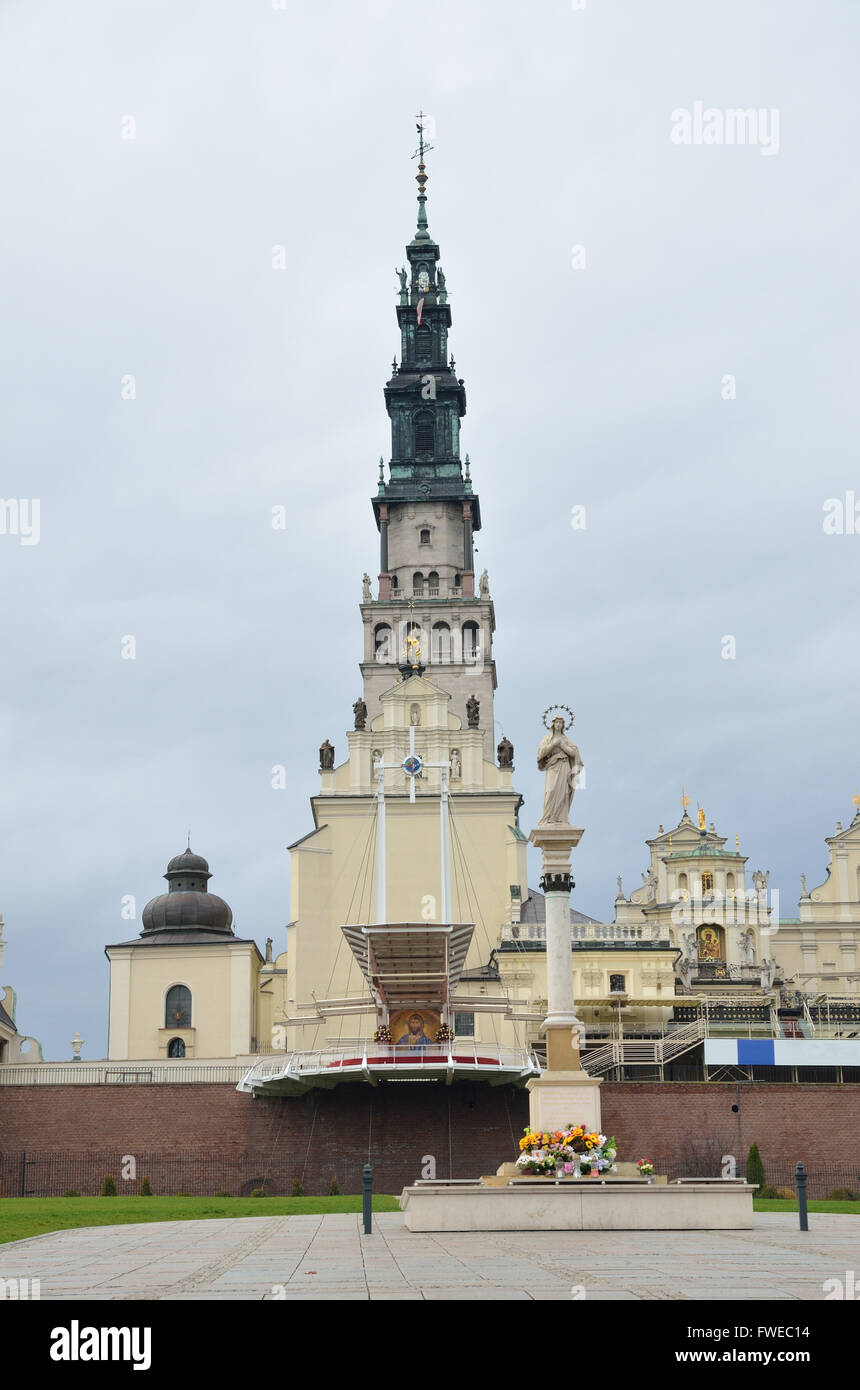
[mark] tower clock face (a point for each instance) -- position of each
(423, 280)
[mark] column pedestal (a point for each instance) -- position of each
(564, 1094)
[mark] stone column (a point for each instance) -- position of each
(564, 1094)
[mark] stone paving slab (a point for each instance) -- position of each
(328, 1258)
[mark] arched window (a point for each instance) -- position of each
(730, 883)
(176, 1048)
(424, 434)
(433, 584)
(177, 1007)
(682, 882)
(440, 642)
(418, 585)
(471, 641)
(617, 984)
(382, 648)
(424, 537)
(393, 582)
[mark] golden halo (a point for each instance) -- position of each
(564, 707)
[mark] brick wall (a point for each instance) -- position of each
(202, 1138)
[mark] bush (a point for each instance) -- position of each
(145, 1186)
(755, 1168)
(786, 1194)
(222, 1193)
(297, 1190)
(258, 1191)
(843, 1194)
(72, 1192)
(769, 1194)
(108, 1186)
(333, 1189)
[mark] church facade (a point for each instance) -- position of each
(412, 922)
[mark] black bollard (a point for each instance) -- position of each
(800, 1176)
(367, 1198)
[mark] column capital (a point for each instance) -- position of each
(556, 883)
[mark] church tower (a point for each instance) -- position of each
(416, 845)
(429, 605)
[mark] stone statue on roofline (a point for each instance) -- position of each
(326, 757)
(359, 709)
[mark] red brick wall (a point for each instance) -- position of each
(207, 1137)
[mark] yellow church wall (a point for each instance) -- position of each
(222, 979)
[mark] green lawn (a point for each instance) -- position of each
(839, 1208)
(21, 1217)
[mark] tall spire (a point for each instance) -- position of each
(421, 178)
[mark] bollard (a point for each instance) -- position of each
(800, 1175)
(367, 1198)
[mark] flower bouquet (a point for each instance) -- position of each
(382, 1034)
(444, 1033)
(567, 1153)
(646, 1167)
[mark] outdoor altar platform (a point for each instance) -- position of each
(583, 1204)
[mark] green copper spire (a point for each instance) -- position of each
(421, 178)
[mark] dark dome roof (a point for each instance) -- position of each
(186, 861)
(187, 908)
(188, 904)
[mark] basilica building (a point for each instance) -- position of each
(416, 944)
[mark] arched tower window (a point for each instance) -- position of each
(433, 584)
(471, 641)
(393, 582)
(418, 584)
(176, 1048)
(382, 649)
(424, 537)
(177, 1007)
(440, 642)
(424, 434)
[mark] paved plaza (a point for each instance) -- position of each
(328, 1257)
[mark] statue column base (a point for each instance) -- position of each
(561, 1098)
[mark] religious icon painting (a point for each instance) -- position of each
(413, 1029)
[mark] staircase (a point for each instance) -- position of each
(644, 1052)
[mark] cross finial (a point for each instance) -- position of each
(685, 800)
(188, 841)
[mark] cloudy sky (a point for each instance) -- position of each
(607, 283)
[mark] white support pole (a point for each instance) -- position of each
(445, 844)
(381, 917)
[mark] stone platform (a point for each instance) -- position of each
(579, 1205)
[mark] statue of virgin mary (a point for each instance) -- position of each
(560, 760)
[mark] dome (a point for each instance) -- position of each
(188, 903)
(188, 908)
(187, 861)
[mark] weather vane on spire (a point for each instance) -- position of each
(419, 153)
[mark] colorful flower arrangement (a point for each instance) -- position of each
(567, 1153)
(645, 1166)
(382, 1034)
(444, 1033)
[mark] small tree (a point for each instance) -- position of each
(145, 1186)
(333, 1189)
(755, 1167)
(297, 1189)
(108, 1186)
